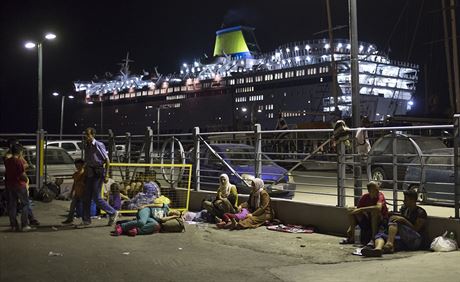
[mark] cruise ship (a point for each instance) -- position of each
(239, 86)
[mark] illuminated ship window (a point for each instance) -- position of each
(288, 74)
(138, 93)
(116, 110)
(150, 92)
(259, 78)
(270, 115)
(240, 99)
(240, 81)
(256, 98)
(175, 97)
(268, 77)
(169, 106)
(249, 79)
(170, 90)
(162, 91)
(177, 89)
(116, 97)
(132, 95)
(300, 73)
(279, 75)
(183, 88)
(232, 82)
(157, 91)
(244, 89)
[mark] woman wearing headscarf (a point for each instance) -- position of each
(225, 201)
(258, 205)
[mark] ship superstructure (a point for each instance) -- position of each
(239, 85)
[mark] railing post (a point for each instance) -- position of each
(357, 174)
(128, 154)
(40, 159)
(258, 151)
(111, 144)
(171, 171)
(148, 145)
(341, 174)
(196, 159)
(456, 164)
(395, 172)
(111, 150)
(128, 147)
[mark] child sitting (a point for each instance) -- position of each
(230, 220)
(116, 196)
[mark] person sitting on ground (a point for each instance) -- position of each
(231, 219)
(151, 191)
(225, 201)
(259, 206)
(115, 196)
(78, 189)
(148, 221)
(371, 214)
(405, 229)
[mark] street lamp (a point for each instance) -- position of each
(62, 112)
(39, 45)
(40, 137)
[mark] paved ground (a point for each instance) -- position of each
(202, 253)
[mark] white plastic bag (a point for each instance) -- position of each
(443, 244)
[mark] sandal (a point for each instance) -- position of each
(368, 252)
(388, 248)
(346, 241)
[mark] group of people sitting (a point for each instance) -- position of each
(384, 232)
(226, 212)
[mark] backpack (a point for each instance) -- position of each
(48, 192)
(173, 225)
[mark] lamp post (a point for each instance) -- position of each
(40, 133)
(39, 45)
(61, 127)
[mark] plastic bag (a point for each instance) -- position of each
(443, 244)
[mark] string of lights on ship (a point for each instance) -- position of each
(378, 74)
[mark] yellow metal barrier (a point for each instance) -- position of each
(174, 181)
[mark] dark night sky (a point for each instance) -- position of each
(93, 36)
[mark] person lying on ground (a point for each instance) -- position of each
(405, 229)
(148, 221)
(371, 215)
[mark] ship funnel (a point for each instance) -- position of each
(237, 42)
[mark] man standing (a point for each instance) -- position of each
(95, 158)
(371, 212)
(405, 229)
(16, 183)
